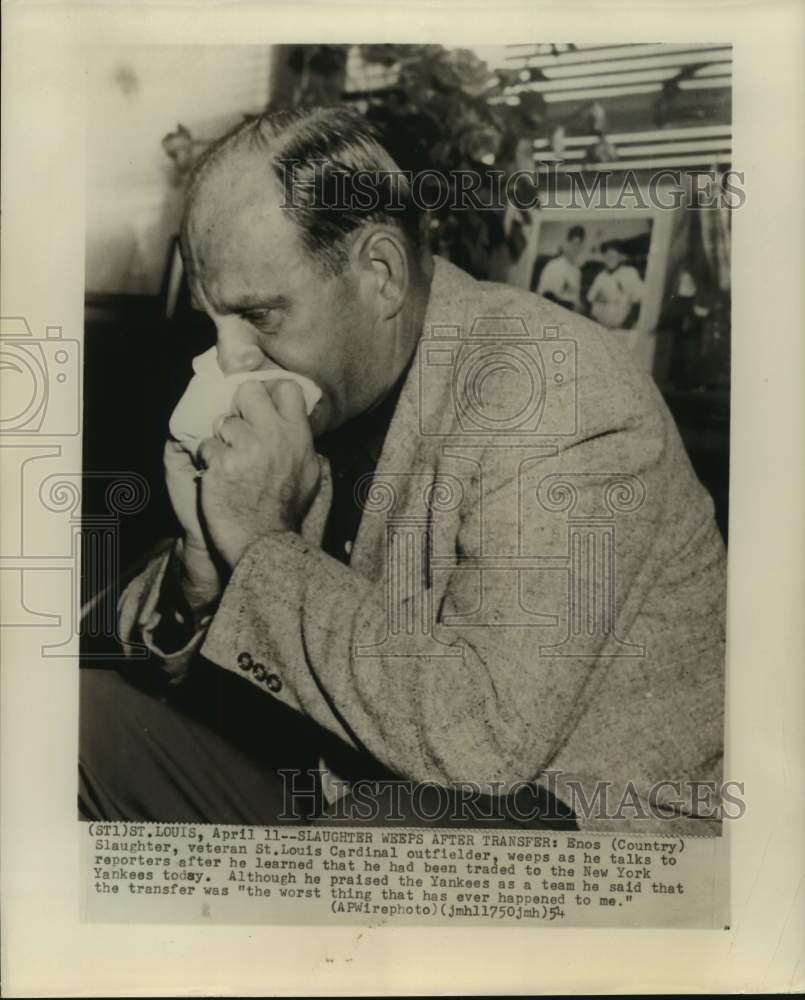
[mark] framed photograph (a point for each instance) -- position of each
(598, 269)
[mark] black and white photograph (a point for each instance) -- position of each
(398, 429)
(417, 548)
(601, 274)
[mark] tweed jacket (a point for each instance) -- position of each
(537, 587)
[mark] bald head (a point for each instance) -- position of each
(306, 162)
(235, 213)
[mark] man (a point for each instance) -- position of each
(560, 280)
(616, 291)
(398, 586)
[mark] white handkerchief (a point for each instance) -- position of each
(209, 395)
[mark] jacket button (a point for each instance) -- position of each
(260, 672)
(273, 683)
(245, 661)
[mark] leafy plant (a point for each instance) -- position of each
(448, 112)
(445, 111)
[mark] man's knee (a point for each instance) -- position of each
(118, 725)
(149, 753)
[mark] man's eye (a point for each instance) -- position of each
(263, 318)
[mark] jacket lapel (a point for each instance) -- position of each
(410, 456)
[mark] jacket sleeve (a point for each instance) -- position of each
(142, 609)
(499, 708)
(154, 595)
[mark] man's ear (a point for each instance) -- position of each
(380, 257)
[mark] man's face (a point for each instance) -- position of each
(573, 249)
(612, 258)
(248, 270)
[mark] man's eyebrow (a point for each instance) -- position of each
(248, 303)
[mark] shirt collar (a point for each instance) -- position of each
(360, 440)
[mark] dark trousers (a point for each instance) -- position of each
(214, 750)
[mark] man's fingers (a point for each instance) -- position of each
(260, 403)
(177, 458)
(289, 399)
(209, 450)
(233, 430)
(253, 403)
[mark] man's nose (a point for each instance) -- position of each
(238, 350)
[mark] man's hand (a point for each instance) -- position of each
(261, 469)
(200, 578)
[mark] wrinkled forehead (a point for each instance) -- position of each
(235, 228)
